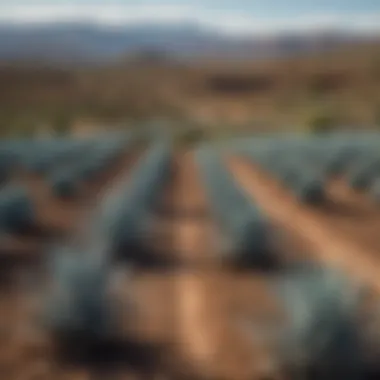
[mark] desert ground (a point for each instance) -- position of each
(339, 88)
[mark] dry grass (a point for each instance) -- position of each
(273, 94)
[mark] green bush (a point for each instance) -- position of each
(322, 121)
(190, 136)
(62, 124)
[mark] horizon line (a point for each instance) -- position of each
(229, 23)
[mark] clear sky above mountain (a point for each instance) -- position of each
(234, 16)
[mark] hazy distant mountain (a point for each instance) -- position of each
(94, 44)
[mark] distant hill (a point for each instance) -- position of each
(87, 43)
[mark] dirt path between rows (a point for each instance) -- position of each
(327, 244)
(210, 297)
(353, 213)
(197, 306)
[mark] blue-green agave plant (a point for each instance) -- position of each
(321, 333)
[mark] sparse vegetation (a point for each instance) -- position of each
(62, 124)
(322, 121)
(274, 93)
(191, 136)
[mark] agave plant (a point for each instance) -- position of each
(364, 173)
(78, 305)
(16, 210)
(67, 177)
(375, 190)
(247, 231)
(64, 184)
(321, 335)
(8, 160)
(361, 180)
(125, 213)
(290, 177)
(311, 191)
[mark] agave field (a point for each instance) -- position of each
(256, 258)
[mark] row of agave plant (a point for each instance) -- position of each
(67, 178)
(322, 337)
(244, 229)
(306, 164)
(326, 334)
(45, 155)
(81, 305)
(65, 165)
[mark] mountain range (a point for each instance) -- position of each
(89, 43)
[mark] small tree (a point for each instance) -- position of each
(190, 134)
(322, 121)
(62, 124)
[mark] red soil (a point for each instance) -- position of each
(327, 239)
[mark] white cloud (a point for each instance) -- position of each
(223, 21)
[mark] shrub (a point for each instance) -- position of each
(322, 121)
(191, 136)
(62, 124)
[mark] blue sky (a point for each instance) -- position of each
(239, 16)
